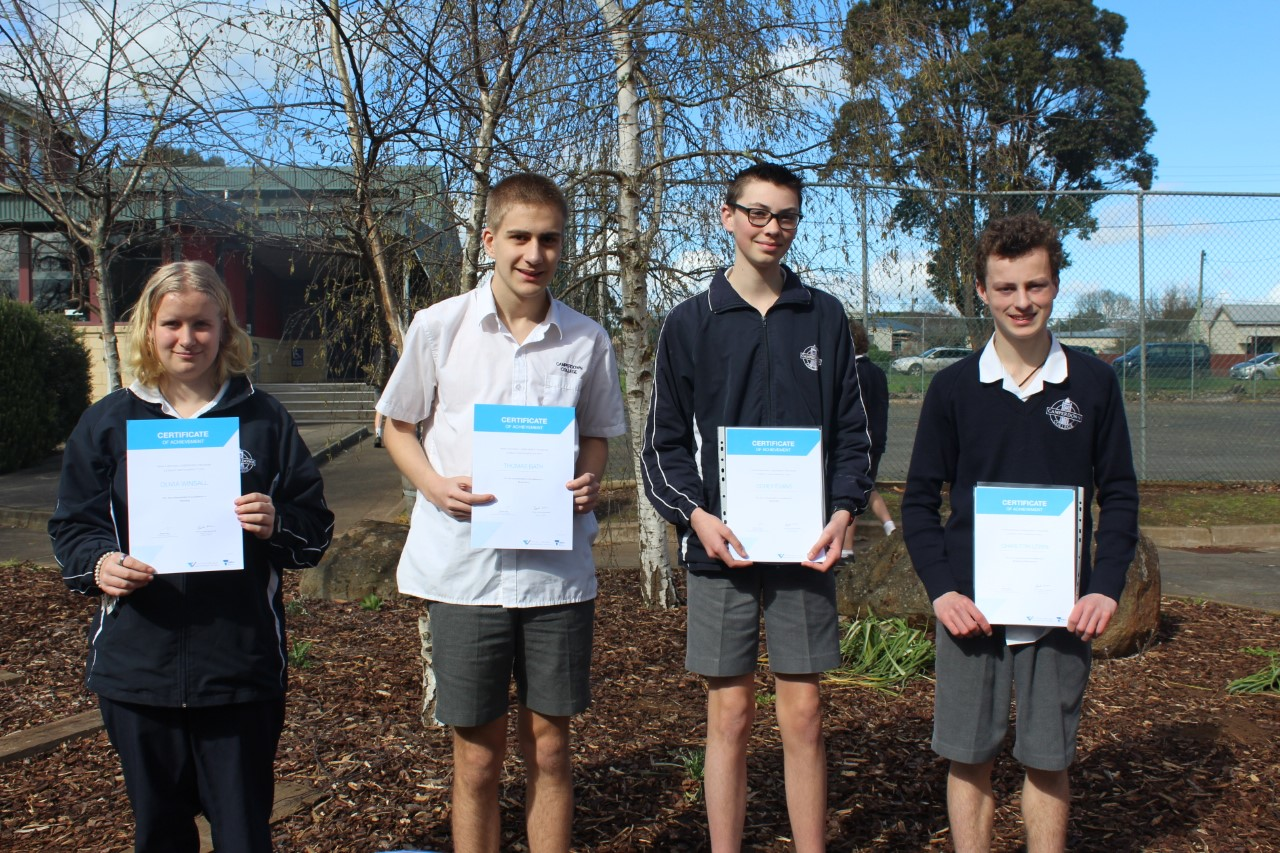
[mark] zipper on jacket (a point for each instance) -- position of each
(768, 372)
(183, 637)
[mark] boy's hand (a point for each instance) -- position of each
(454, 496)
(960, 616)
(256, 514)
(586, 492)
(831, 538)
(717, 538)
(1091, 615)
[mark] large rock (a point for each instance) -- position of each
(361, 561)
(883, 582)
(1137, 619)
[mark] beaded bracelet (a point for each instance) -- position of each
(97, 569)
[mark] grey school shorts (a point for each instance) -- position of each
(976, 680)
(476, 649)
(723, 624)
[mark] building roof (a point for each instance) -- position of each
(1250, 313)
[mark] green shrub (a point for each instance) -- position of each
(44, 383)
(67, 376)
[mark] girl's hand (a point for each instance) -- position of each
(257, 514)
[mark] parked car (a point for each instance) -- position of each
(1084, 349)
(929, 361)
(1264, 366)
(1165, 359)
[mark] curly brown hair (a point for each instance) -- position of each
(1015, 236)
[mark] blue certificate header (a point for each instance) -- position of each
(170, 433)
(999, 500)
(771, 441)
(551, 420)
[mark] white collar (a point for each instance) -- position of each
(990, 369)
(489, 312)
(153, 395)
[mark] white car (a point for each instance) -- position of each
(929, 361)
(1264, 366)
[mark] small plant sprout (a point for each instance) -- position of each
(300, 654)
(371, 602)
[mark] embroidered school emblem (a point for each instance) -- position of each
(810, 357)
(1064, 414)
(247, 462)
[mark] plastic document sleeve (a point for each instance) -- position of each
(771, 490)
(1026, 552)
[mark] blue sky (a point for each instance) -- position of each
(1213, 77)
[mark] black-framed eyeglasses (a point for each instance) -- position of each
(759, 217)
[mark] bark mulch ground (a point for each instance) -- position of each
(1168, 760)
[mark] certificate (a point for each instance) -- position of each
(184, 478)
(1026, 552)
(523, 456)
(771, 491)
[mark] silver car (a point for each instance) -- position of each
(1264, 366)
(929, 361)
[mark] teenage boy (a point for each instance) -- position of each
(496, 612)
(757, 348)
(1024, 410)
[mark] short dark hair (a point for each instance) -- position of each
(860, 342)
(1015, 236)
(523, 188)
(770, 173)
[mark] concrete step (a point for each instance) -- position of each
(325, 402)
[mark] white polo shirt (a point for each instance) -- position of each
(456, 354)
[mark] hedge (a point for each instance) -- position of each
(44, 383)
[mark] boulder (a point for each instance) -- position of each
(882, 582)
(1137, 619)
(359, 562)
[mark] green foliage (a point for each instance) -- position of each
(295, 607)
(1265, 680)
(883, 654)
(67, 374)
(371, 602)
(764, 700)
(300, 654)
(44, 383)
(989, 95)
(694, 763)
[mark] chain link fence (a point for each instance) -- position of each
(1175, 290)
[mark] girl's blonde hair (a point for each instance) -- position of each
(178, 277)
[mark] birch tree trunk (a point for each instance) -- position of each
(657, 583)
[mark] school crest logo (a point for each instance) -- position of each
(1064, 414)
(810, 357)
(247, 462)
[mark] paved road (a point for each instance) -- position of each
(1214, 441)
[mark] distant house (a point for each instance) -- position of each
(1109, 340)
(892, 335)
(1242, 328)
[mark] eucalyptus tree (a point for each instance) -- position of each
(952, 97)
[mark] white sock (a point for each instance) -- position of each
(889, 527)
(845, 554)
